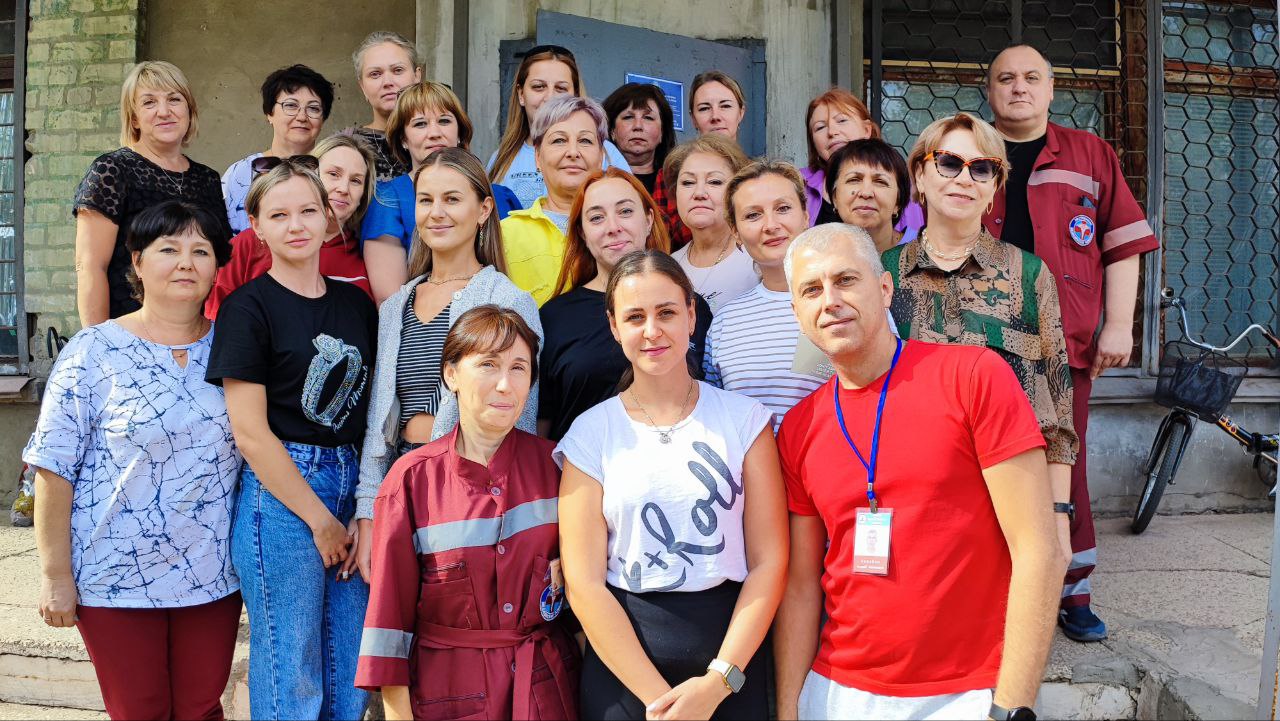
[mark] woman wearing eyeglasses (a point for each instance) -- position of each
(958, 284)
(296, 100)
(347, 166)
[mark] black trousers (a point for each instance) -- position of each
(680, 633)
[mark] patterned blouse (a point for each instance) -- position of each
(1001, 298)
(147, 447)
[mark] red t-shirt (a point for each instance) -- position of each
(935, 624)
(339, 259)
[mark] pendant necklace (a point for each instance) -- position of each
(664, 436)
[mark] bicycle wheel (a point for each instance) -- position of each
(1172, 443)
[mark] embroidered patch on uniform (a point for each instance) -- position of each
(1082, 230)
(550, 603)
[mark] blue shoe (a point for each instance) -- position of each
(1080, 624)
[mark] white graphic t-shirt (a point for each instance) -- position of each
(674, 510)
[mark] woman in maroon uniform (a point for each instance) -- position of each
(466, 591)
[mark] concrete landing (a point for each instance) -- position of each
(1184, 603)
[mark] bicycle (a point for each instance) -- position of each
(1197, 381)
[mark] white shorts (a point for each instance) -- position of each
(821, 699)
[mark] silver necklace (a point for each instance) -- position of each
(176, 183)
(663, 436)
(969, 246)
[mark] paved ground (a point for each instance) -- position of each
(1185, 603)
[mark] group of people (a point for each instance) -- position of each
(571, 434)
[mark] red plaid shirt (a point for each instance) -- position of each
(680, 233)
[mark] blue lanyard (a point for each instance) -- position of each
(875, 433)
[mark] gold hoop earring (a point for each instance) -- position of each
(990, 205)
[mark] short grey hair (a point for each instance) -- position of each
(822, 237)
(558, 109)
(378, 37)
(1048, 66)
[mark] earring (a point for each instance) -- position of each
(990, 204)
(481, 234)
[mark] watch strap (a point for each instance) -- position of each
(1020, 713)
(732, 675)
(1067, 508)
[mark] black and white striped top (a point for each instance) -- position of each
(418, 364)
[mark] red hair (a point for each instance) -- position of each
(579, 266)
(839, 98)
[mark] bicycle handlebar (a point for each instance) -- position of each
(1169, 300)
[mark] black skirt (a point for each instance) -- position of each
(680, 633)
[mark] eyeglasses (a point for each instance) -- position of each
(949, 165)
(291, 108)
(267, 163)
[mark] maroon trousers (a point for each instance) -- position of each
(1084, 552)
(162, 663)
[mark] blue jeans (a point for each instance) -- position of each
(304, 624)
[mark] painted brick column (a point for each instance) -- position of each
(78, 53)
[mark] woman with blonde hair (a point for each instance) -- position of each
(158, 118)
(346, 167)
(294, 352)
(386, 63)
(958, 284)
(456, 265)
(697, 174)
(581, 362)
(428, 117)
(545, 72)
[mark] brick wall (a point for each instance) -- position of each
(78, 52)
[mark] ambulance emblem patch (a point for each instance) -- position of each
(550, 603)
(1082, 230)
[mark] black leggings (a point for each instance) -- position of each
(680, 633)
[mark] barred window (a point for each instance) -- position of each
(12, 318)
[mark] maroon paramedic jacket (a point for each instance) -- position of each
(461, 558)
(1084, 217)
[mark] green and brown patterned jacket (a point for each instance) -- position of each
(1002, 298)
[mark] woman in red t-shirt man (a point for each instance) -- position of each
(347, 167)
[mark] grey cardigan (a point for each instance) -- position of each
(382, 433)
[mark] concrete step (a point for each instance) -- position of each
(23, 712)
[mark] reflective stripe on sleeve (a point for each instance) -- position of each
(385, 643)
(1066, 177)
(1136, 230)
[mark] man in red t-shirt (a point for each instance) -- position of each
(949, 613)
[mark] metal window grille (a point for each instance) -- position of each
(12, 318)
(1194, 126)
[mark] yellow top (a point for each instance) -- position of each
(534, 248)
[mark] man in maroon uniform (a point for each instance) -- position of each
(1066, 201)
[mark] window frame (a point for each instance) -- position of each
(19, 364)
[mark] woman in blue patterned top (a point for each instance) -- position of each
(136, 471)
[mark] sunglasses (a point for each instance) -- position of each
(553, 49)
(266, 163)
(949, 165)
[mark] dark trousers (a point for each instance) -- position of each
(162, 663)
(1076, 587)
(680, 633)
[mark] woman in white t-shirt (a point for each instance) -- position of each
(663, 486)
(696, 175)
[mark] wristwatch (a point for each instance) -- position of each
(1018, 713)
(733, 677)
(1067, 508)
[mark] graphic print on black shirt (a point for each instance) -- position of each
(313, 356)
(1017, 215)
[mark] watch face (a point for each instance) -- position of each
(1022, 713)
(736, 679)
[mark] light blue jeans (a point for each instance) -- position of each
(304, 624)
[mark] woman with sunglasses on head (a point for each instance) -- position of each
(385, 64)
(428, 117)
(673, 521)
(716, 106)
(456, 265)
(296, 101)
(545, 72)
(346, 167)
(158, 118)
(294, 352)
(581, 362)
(958, 284)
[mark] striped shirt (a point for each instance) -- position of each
(751, 347)
(418, 363)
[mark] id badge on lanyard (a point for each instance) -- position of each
(872, 525)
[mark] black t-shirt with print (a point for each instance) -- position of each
(123, 183)
(388, 165)
(1017, 214)
(581, 363)
(313, 355)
